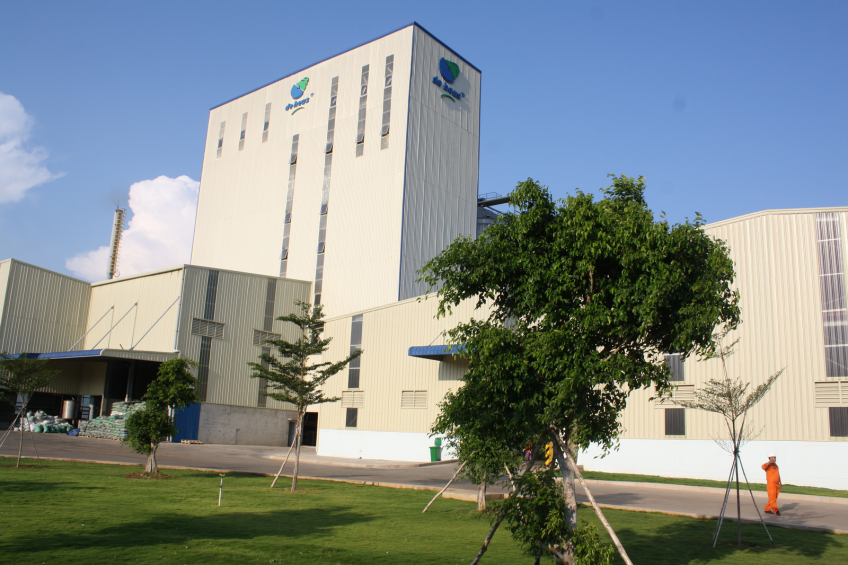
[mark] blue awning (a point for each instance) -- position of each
(105, 354)
(436, 352)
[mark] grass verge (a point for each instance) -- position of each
(787, 489)
(79, 513)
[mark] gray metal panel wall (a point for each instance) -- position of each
(240, 306)
(43, 311)
(443, 151)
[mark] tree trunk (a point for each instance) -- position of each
(151, 466)
(566, 553)
(21, 444)
(481, 497)
(297, 438)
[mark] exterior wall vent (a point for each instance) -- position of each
(207, 328)
(413, 399)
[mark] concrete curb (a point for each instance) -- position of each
(720, 491)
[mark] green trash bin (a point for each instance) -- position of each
(435, 453)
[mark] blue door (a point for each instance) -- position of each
(187, 421)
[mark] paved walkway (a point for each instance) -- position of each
(797, 511)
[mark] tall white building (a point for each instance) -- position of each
(350, 173)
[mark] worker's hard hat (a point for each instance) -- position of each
(772, 455)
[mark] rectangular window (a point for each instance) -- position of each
(221, 139)
(363, 101)
(207, 328)
(675, 366)
(355, 345)
(211, 295)
(262, 400)
(284, 255)
(267, 123)
(243, 129)
(325, 191)
(387, 103)
(351, 417)
(834, 307)
(413, 399)
(270, 298)
(675, 421)
(203, 366)
(838, 421)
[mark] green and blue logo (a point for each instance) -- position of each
(297, 91)
(450, 72)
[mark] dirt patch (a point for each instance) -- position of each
(162, 476)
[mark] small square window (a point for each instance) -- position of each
(321, 246)
(360, 149)
(384, 130)
(364, 90)
(389, 80)
(317, 300)
(332, 101)
(838, 421)
(324, 209)
(675, 421)
(284, 254)
(329, 148)
(353, 378)
(360, 137)
(351, 417)
(288, 218)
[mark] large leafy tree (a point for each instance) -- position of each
(22, 375)
(292, 375)
(584, 297)
(174, 388)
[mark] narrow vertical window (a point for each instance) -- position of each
(206, 341)
(834, 309)
(675, 366)
(351, 417)
(267, 122)
(284, 255)
(243, 129)
(675, 421)
(325, 190)
(355, 345)
(387, 103)
(268, 326)
(363, 100)
(221, 139)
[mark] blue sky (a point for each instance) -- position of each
(726, 107)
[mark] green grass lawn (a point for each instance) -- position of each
(787, 489)
(77, 513)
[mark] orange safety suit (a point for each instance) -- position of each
(772, 485)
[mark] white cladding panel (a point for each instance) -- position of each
(440, 196)
(777, 276)
(387, 370)
(242, 200)
(42, 311)
(153, 293)
(240, 306)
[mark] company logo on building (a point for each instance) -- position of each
(450, 72)
(297, 91)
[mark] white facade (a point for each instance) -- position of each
(410, 193)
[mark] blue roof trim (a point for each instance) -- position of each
(71, 354)
(346, 51)
(436, 352)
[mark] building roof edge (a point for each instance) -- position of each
(775, 212)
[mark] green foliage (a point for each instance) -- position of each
(146, 429)
(174, 387)
(588, 549)
(22, 375)
(290, 375)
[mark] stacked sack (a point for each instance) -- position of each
(113, 426)
(39, 422)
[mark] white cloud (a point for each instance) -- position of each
(20, 168)
(158, 235)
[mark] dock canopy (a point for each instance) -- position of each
(436, 352)
(106, 355)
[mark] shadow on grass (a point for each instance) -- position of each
(30, 486)
(690, 541)
(177, 528)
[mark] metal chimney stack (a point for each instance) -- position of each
(115, 247)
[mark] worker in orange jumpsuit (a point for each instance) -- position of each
(773, 484)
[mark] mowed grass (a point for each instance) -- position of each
(77, 513)
(787, 489)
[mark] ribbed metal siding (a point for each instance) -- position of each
(154, 293)
(387, 370)
(243, 195)
(777, 276)
(77, 377)
(240, 305)
(443, 141)
(42, 311)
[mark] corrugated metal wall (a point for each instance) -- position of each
(242, 200)
(440, 200)
(78, 377)
(240, 306)
(386, 368)
(154, 292)
(778, 279)
(42, 311)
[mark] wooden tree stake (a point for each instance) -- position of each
(283, 465)
(438, 494)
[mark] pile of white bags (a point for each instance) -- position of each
(39, 422)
